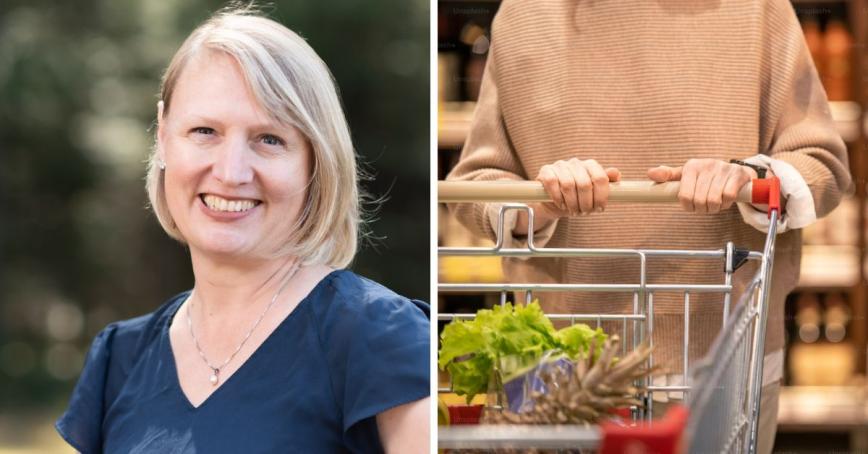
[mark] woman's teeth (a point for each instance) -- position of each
(220, 204)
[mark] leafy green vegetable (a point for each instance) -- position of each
(470, 349)
(576, 339)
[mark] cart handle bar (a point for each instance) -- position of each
(759, 191)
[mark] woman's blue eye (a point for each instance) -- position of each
(269, 139)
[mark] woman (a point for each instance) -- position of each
(578, 94)
(276, 348)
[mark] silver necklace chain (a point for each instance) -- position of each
(215, 370)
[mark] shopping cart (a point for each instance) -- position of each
(722, 389)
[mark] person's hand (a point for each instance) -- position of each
(576, 187)
(707, 185)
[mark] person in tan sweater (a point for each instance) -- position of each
(576, 94)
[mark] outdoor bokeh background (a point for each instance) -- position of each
(78, 248)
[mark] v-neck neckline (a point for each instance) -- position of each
(173, 368)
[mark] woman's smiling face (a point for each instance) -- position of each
(235, 181)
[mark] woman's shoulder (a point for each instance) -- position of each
(347, 306)
(134, 333)
(112, 355)
(376, 345)
(347, 292)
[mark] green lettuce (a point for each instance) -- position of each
(470, 349)
(576, 339)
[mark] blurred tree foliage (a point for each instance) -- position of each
(78, 90)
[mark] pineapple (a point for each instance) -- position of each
(597, 385)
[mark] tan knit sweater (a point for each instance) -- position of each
(639, 84)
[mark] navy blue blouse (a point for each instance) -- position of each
(350, 350)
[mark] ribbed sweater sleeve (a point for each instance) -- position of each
(489, 155)
(796, 123)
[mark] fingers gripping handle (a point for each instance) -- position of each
(767, 191)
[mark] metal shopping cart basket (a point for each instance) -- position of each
(722, 389)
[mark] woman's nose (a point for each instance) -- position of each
(232, 166)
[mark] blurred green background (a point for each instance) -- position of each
(78, 248)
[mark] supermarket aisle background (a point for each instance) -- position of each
(78, 88)
(824, 406)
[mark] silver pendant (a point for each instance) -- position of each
(213, 377)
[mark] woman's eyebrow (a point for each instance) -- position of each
(259, 127)
(193, 118)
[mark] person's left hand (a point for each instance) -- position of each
(707, 185)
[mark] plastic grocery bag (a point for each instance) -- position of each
(525, 378)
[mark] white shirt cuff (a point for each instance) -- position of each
(800, 211)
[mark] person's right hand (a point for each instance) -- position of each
(576, 187)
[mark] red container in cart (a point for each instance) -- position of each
(465, 414)
(723, 388)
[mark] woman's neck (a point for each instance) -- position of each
(227, 287)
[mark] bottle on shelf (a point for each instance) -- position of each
(835, 318)
(824, 363)
(808, 317)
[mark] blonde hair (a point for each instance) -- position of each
(295, 87)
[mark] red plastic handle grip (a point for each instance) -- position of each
(768, 191)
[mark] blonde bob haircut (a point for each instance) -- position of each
(294, 86)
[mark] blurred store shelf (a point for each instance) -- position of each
(846, 115)
(822, 408)
(455, 118)
(821, 363)
(454, 123)
(826, 266)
